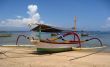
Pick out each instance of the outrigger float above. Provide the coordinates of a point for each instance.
(52, 44)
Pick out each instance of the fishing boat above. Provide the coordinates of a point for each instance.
(5, 34)
(83, 33)
(51, 45)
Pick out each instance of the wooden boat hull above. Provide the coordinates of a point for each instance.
(46, 47)
(54, 49)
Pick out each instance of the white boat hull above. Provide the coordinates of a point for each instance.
(47, 47)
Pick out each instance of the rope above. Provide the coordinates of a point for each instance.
(76, 58)
(3, 53)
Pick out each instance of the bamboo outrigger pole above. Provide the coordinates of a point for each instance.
(74, 24)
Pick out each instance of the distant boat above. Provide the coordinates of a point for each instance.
(5, 34)
(84, 33)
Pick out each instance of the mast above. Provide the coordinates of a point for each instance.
(74, 24)
(39, 31)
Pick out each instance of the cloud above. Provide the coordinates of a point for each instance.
(33, 13)
(107, 24)
(108, 18)
(19, 16)
(32, 9)
(34, 17)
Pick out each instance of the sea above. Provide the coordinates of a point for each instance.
(103, 36)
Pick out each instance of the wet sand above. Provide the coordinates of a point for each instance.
(26, 56)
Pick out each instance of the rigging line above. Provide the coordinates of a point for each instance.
(76, 58)
(11, 51)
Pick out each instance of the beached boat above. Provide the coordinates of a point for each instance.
(51, 45)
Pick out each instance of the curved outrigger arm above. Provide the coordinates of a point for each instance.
(75, 35)
(94, 39)
(19, 37)
(26, 37)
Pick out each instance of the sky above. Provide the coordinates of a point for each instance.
(92, 15)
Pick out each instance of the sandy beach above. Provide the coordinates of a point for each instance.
(26, 56)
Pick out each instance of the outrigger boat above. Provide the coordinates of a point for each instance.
(5, 34)
(51, 44)
(83, 33)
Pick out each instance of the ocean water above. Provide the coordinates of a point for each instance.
(12, 40)
(103, 36)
